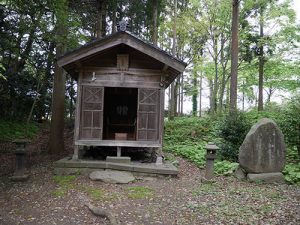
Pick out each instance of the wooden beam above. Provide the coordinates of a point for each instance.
(165, 67)
(118, 143)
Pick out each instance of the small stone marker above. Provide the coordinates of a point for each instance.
(19, 174)
(211, 155)
(113, 177)
(263, 152)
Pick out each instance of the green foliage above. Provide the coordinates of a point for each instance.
(188, 129)
(139, 192)
(95, 193)
(195, 153)
(292, 173)
(225, 167)
(287, 117)
(232, 130)
(64, 180)
(10, 130)
(290, 125)
(59, 193)
(64, 184)
(187, 136)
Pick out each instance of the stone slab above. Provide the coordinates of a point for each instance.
(266, 177)
(263, 150)
(122, 159)
(112, 177)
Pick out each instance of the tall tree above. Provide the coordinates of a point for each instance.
(58, 98)
(261, 60)
(172, 105)
(234, 54)
(154, 15)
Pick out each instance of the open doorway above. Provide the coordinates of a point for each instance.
(120, 113)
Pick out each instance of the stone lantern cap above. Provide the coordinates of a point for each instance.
(211, 147)
(21, 144)
(211, 150)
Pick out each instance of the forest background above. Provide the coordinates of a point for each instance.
(34, 33)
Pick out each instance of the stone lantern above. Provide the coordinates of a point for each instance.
(211, 155)
(19, 174)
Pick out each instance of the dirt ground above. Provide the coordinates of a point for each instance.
(48, 199)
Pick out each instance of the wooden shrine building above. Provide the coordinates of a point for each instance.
(121, 82)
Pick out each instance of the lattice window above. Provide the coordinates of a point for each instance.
(148, 114)
(92, 112)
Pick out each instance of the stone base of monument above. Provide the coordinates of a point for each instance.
(266, 177)
(19, 178)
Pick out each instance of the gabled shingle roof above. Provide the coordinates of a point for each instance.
(121, 37)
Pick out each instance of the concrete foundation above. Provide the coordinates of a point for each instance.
(69, 166)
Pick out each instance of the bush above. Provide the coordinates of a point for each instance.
(225, 167)
(10, 130)
(232, 130)
(287, 117)
(187, 129)
(292, 173)
(290, 126)
(187, 136)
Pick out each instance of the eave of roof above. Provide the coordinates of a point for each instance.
(104, 43)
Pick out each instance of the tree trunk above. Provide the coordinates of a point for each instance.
(243, 96)
(216, 79)
(211, 89)
(181, 95)
(33, 104)
(176, 94)
(194, 96)
(200, 95)
(101, 19)
(172, 100)
(58, 96)
(114, 19)
(261, 63)
(234, 55)
(72, 98)
(154, 15)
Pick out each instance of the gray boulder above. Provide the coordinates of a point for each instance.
(113, 177)
(263, 150)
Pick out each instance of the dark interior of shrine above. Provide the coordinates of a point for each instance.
(120, 113)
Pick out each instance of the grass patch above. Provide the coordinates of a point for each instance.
(95, 193)
(65, 183)
(10, 130)
(64, 180)
(98, 193)
(139, 192)
(59, 192)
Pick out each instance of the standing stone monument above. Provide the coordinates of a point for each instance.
(262, 154)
